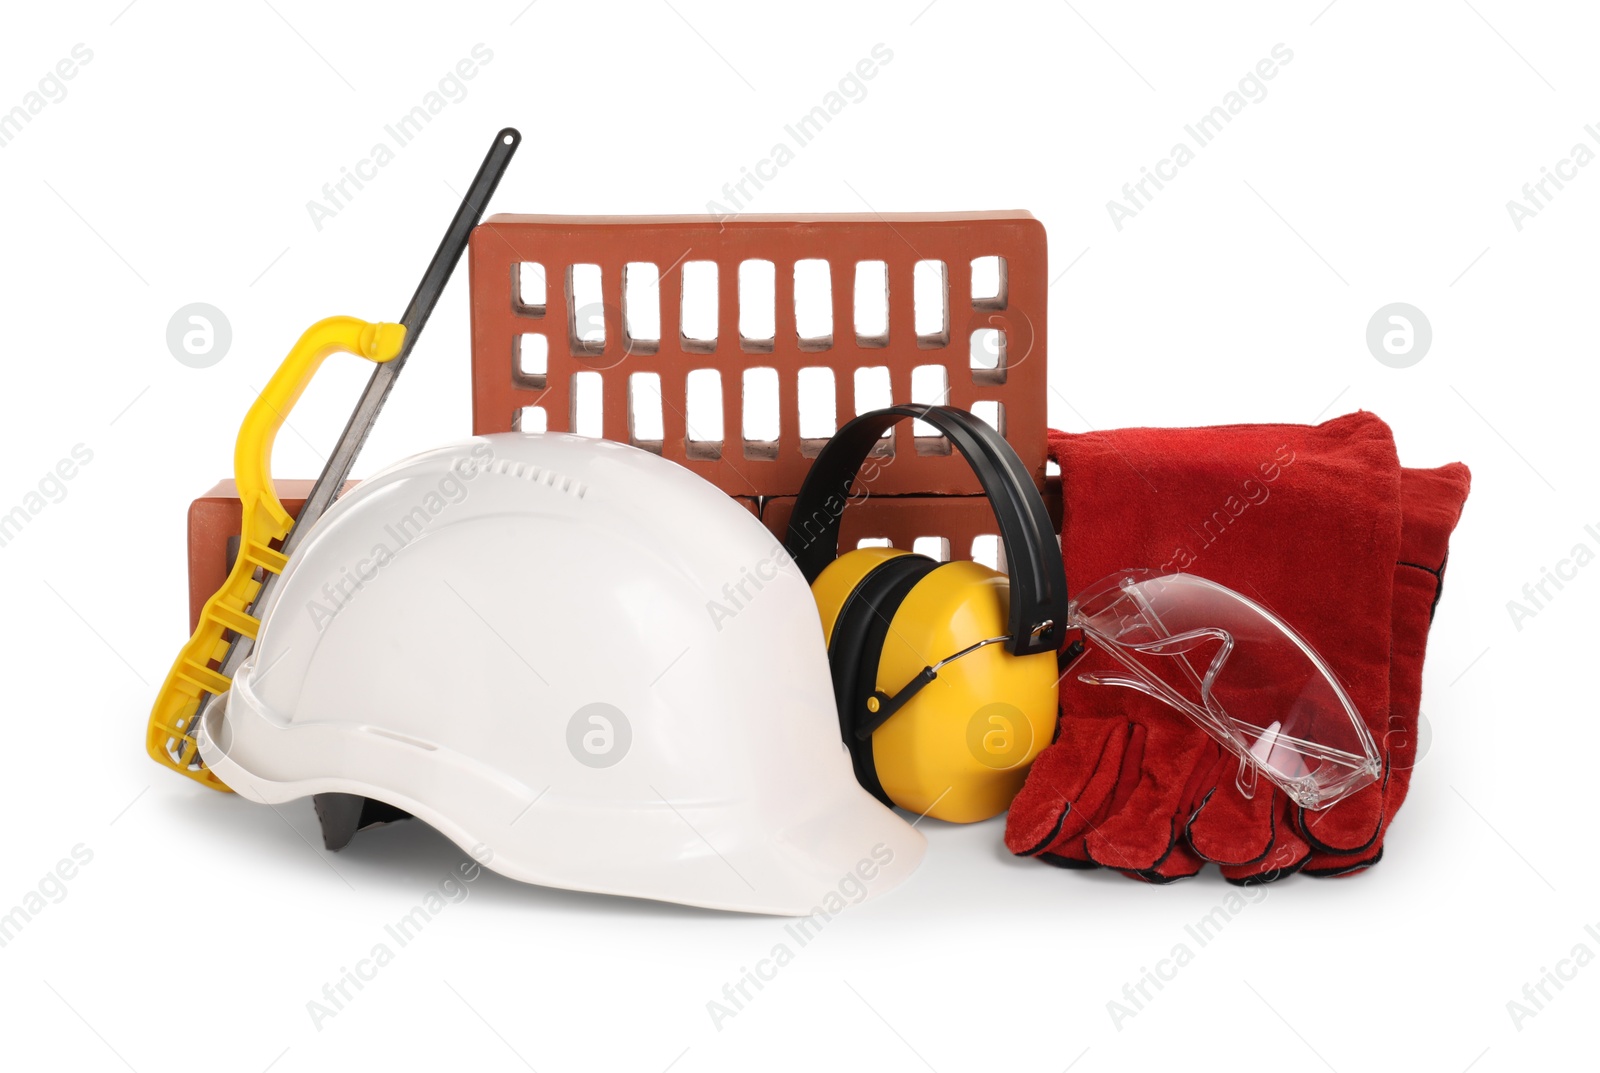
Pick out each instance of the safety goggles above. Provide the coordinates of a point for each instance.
(1240, 672)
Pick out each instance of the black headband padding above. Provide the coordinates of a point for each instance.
(1038, 578)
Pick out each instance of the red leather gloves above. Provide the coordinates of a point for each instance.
(1321, 525)
(1431, 502)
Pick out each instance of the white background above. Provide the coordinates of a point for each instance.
(1377, 169)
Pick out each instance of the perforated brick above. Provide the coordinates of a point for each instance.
(535, 356)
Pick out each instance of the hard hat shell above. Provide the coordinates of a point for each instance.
(579, 661)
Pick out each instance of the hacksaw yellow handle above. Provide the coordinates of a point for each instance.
(170, 738)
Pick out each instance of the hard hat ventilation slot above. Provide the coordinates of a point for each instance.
(403, 739)
(538, 475)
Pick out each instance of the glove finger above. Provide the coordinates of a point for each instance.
(1228, 827)
(1069, 784)
(1287, 854)
(1351, 826)
(1147, 814)
(1328, 866)
(1181, 862)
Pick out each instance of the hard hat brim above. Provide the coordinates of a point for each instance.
(827, 854)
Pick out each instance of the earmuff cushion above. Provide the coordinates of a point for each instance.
(856, 645)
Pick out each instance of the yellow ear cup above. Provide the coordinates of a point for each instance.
(840, 578)
(960, 749)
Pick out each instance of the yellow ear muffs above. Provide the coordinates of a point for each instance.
(959, 747)
(944, 673)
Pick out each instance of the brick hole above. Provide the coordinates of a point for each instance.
(528, 288)
(698, 307)
(759, 406)
(992, 412)
(872, 304)
(989, 283)
(645, 427)
(930, 298)
(819, 418)
(641, 307)
(588, 392)
(703, 414)
(532, 358)
(531, 419)
(986, 550)
(758, 301)
(986, 355)
(586, 310)
(873, 393)
(930, 386)
(813, 304)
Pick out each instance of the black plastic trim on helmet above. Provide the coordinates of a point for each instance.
(342, 815)
(1038, 613)
(855, 646)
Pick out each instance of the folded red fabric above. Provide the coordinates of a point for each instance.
(1430, 504)
(1431, 501)
(1304, 519)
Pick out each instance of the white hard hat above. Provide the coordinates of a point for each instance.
(583, 664)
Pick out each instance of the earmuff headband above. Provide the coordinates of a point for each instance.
(1038, 614)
